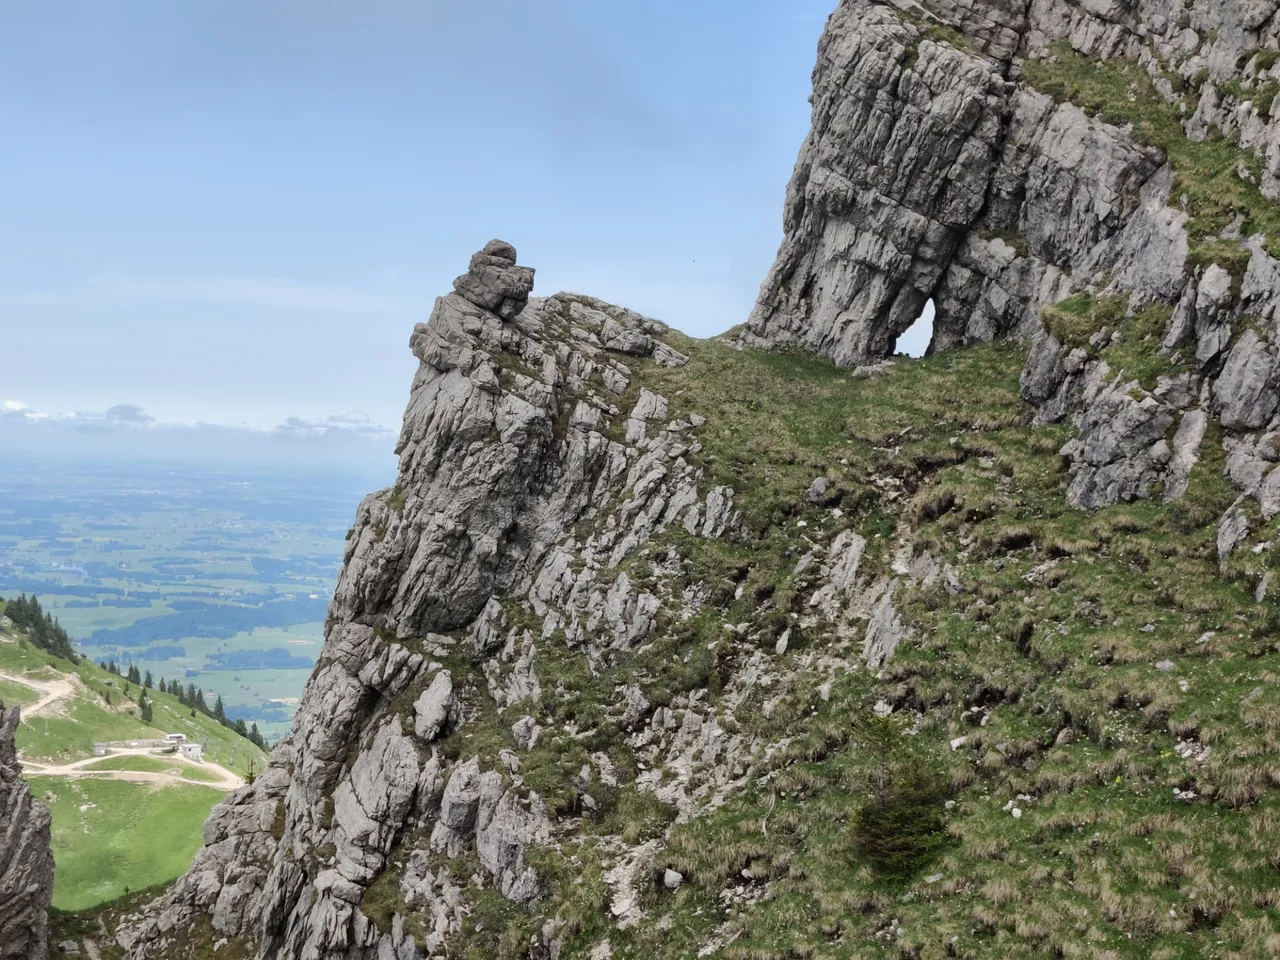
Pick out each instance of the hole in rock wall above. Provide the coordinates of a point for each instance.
(915, 341)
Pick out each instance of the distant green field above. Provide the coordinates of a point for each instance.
(226, 561)
(247, 688)
(111, 836)
(81, 621)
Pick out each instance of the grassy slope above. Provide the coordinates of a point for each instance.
(1103, 845)
(1064, 647)
(138, 835)
(1062, 617)
(141, 835)
(16, 695)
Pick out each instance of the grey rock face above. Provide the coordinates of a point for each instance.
(894, 170)
(26, 860)
(505, 825)
(1246, 392)
(505, 449)
(1186, 451)
(884, 632)
(933, 171)
(919, 152)
(1232, 532)
(1120, 452)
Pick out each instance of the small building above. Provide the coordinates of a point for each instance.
(101, 749)
(193, 751)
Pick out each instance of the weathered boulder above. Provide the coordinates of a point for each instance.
(1248, 390)
(494, 282)
(431, 711)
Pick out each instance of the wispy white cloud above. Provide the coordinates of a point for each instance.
(116, 289)
(253, 292)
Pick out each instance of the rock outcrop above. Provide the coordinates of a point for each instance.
(938, 169)
(511, 442)
(26, 860)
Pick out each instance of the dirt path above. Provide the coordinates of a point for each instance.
(84, 768)
(52, 692)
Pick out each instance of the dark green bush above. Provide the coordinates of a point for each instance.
(900, 827)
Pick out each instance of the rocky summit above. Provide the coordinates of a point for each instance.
(777, 646)
(26, 861)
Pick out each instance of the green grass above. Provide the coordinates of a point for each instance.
(128, 837)
(971, 474)
(135, 835)
(1132, 343)
(16, 695)
(1205, 173)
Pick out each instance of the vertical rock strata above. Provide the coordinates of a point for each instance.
(935, 169)
(26, 861)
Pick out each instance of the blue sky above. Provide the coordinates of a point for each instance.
(233, 213)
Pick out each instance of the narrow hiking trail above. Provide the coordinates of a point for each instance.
(51, 691)
(55, 691)
(84, 768)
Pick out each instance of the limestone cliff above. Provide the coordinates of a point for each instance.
(26, 861)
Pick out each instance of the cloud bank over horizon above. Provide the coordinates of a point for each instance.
(128, 430)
